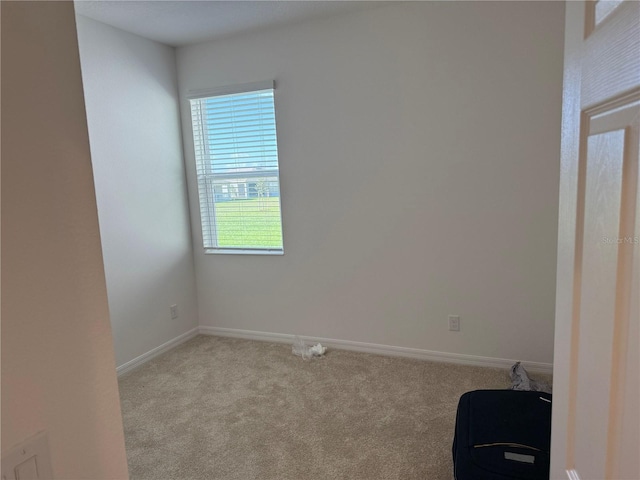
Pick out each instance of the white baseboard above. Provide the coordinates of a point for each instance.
(387, 350)
(145, 357)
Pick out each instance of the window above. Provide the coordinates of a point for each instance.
(236, 153)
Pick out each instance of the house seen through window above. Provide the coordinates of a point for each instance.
(236, 153)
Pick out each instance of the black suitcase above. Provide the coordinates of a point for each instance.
(502, 435)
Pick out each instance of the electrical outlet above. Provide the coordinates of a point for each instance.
(454, 323)
(174, 311)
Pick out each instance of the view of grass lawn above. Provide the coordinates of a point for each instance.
(253, 223)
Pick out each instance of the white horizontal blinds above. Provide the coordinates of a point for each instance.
(237, 167)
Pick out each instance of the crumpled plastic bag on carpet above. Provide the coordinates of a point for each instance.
(520, 380)
(301, 349)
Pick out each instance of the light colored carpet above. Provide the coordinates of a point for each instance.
(219, 408)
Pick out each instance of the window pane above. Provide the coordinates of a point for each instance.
(236, 152)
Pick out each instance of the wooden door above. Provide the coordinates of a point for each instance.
(596, 424)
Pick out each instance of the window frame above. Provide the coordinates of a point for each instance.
(223, 91)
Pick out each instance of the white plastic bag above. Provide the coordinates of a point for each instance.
(520, 380)
(301, 349)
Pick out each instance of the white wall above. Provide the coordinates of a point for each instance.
(419, 154)
(130, 89)
(58, 368)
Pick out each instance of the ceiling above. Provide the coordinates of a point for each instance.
(179, 23)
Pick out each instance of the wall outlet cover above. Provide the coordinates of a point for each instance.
(29, 460)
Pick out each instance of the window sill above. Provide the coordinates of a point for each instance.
(240, 251)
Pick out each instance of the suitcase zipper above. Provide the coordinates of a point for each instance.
(517, 445)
